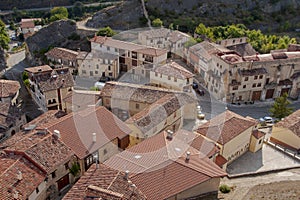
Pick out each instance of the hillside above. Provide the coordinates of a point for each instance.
(267, 15)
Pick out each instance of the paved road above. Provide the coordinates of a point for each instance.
(16, 65)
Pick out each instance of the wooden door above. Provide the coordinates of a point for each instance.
(256, 95)
(270, 93)
(284, 90)
(63, 182)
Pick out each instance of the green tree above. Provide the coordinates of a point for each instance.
(157, 22)
(190, 42)
(78, 9)
(4, 37)
(280, 107)
(107, 31)
(58, 13)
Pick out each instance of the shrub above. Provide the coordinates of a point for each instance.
(27, 83)
(224, 188)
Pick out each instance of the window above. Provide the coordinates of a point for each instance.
(217, 64)
(240, 98)
(83, 71)
(108, 48)
(137, 106)
(260, 76)
(254, 85)
(104, 151)
(96, 72)
(258, 84)
(244, 86)
(235, 87)
(255, 77)
(241, 40)
(116, 50)
(110, 74)
(53, 174)
(246, 78)
(169, 77)
(37, 190)
(97, 66)
(143, 71)
(260, 141)
(66, 166)
(175, 79)
(233, 41)
(156, 74)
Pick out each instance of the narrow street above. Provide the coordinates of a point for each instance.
(16, 65)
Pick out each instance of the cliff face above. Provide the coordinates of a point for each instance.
(57, 34)
(123, 16)
(27, 4)
(268, 15)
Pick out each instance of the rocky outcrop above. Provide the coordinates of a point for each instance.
(123, 16)
(61, 33)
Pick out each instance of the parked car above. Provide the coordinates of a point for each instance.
(266, 121)
(195, 85)
(201, 92)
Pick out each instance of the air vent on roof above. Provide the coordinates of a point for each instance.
(188, 155)
(19, 176)
(56, 133)
(94, 137)
(169, 134)
(30, 127)
(126, 175)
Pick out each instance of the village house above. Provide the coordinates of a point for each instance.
(80, 99)
(11, 120)
(171, 40)
(115, 186)
(11, 117)
(28, 27)
(49, 86)
(9, 91)
(44, 158)
(93, 134)
(148, 110)
(199, 56)
(239, 79)
(171, 76)
(63, 57)
(171, 162)
(129, 54)
(98, 64)
(233, 134)
(286, 133)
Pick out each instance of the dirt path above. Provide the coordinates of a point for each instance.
(271, 186)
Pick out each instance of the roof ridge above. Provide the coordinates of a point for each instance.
(113, 180)
(10, 166)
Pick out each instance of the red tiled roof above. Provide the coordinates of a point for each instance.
(220, 160)
(107, 41)
(38, 69)
(62, 53)
(224, 127)
(158, 166)
(258, 134)
(173, 69)
(8, 88)
(10, 166)
(104, 183)
(76, 130)
(27, 24)
(291, 122)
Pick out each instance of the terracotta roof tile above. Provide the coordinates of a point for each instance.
(62, 53)
(258, 134)
(220, 160)
(291, 122)
(173, 69)
(8, 88)
(76, 129)
(38, 69)
(10, 166)
(225, 127)
(158, 166)
(107, 41)
(104, 183)
(27, 24)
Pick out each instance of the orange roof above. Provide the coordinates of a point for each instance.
(10, 167)
(76, 129)
(62, 53)
(258, 134)
(226, 126)
(27, 24)
(8, 88)
(158, 165)
(220, 160)
(108, 41)
(173, 69)
(103, 183)
(291, 122)
(42, 68)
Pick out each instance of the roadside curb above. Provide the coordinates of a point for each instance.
(261, 172)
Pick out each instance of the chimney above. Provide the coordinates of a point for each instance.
(94, 137)
(126, 175)
(188, 154)
(169, 135)
(16, 195)
(57, 133)
(19, 176)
